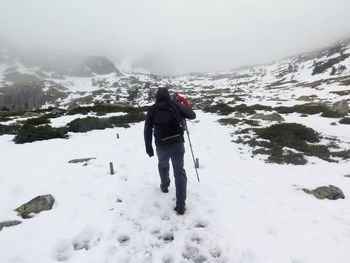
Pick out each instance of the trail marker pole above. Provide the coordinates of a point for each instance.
(111, 168)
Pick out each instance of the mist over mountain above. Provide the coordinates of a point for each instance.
(169, 37)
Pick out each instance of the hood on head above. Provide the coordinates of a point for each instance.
(162, 95)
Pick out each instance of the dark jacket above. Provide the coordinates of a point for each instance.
(160, 119)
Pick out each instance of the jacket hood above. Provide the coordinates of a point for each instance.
(162, 95)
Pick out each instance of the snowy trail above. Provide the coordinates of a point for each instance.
(242, 211)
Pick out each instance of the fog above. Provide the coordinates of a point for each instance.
(176, 36)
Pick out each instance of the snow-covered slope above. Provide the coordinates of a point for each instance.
(242, 211)
(322, 74)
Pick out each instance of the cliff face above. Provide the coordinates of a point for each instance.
(27, 96)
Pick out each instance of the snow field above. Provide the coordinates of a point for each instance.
(242, 211)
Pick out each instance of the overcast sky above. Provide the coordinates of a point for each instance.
(176, 36)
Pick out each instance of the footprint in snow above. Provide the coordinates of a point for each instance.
(166, 217)
(86, 239)
(168, 237)
(62, 250)
(201, 224)
(168, 259)
(196, 239)
(193, 253)
(215, 252)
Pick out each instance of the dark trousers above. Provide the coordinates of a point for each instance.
(176, 152)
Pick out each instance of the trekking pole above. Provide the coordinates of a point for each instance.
(189, 140)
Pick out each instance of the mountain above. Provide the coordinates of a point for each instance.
(78, 80)
(272, 142)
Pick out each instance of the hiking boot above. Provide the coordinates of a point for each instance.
(164, 189)
(180, 210)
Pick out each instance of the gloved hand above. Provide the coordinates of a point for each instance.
(150, 151)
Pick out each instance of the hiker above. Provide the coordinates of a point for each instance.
(165, 118)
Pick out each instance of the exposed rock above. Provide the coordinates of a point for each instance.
(29, 114)
(347, 175)
(78, 66)
(342, 107)
(330, 192)
(9, 223)
(268, 117)
(42, 75)
(82, 160)
(36, 205)
(305, 98)
(57, 76)
(239, 115)
(27, 96)
(17, 77)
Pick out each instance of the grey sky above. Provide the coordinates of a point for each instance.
(175, 36)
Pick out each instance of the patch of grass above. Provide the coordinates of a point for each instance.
(342, 154)
(331, 114)
(229, 121)
(278, 156)
(345, 121)
(295, 136)
(30, 133)
(244, 131)
(123, 121)
(12, 113)
(95, 123)
(289, 134)
(4, 119)
(89, 124)
(308, 108)
(224, 109)
(9, 129)
(38, 121)
(221, 108)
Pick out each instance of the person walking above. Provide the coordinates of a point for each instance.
(164, 119)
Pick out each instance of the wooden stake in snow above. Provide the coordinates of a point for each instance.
(111, 168)
(197, 163)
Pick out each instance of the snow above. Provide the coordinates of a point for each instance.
(242, 211)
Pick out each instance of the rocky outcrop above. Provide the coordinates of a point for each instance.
(268, 117)
(305, 98)
(28, 96)
(78, 66)
(330, 192)
(9, 224)
(35, 206)
(17, 77)
(342, 107)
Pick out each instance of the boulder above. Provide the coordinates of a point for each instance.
(30, 114)
(330, 192)
(342, 107)
(268, 117)
(35, 206)
(9, 223)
